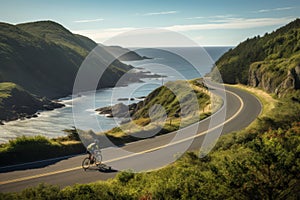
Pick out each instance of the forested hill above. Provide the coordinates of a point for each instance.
(271, 62)
(44, 57)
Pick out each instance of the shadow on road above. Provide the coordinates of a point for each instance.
(103, 168)
(107, 169)
(33, 165)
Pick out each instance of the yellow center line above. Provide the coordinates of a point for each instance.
(134, 154)
(38, 175)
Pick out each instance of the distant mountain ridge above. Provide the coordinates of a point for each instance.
(271, 62)
(44, 57)
(126, 54)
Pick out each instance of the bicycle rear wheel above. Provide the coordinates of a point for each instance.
(86, 163)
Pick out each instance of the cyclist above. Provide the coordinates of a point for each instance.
(93, 149)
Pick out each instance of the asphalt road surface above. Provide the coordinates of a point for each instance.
(238, 111)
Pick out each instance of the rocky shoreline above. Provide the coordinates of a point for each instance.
(13, 110)
(17, 103)
(30, 112)
(119, 110)
(30, 106)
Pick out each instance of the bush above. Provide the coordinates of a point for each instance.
(24, 149)
(30, 143)
(125, 176)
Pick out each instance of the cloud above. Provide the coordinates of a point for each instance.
(199, 17)
(101, 35)
(225, 20)
(232, 23)
(210, 17)
(161, 13)
(284, 8)
(262, 11)
(89, 20)
(273, 9)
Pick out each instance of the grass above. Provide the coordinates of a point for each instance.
(5, 93)
(5, 89)
(277, 113)
(169, 97)
(33, 148)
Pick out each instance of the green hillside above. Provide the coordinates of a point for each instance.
(12, 108)
(43, 57)
(271, 62)
(169, 97)
(183, 103)
(56, 33)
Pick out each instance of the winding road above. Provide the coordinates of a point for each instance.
(240, 109)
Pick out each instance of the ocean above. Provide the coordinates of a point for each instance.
(172, 63)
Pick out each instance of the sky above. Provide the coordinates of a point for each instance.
(208, 23)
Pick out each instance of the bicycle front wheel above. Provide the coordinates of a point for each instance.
(86, 163)
(98, 157)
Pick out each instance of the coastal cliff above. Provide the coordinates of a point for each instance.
(17, 103)
(271, 62)
(280, 82)
(44, 57)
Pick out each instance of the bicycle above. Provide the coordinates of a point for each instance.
(96, 160)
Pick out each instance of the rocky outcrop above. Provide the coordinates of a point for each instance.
(277, 82)
(291, 81)
(118, 110)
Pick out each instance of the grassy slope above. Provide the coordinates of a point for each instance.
(12, 108)
(23, 149)
(168, 97)
(5, 90)
(56, 33)
(44, 57)
(33, 62)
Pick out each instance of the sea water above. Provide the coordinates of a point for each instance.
(170, 65)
